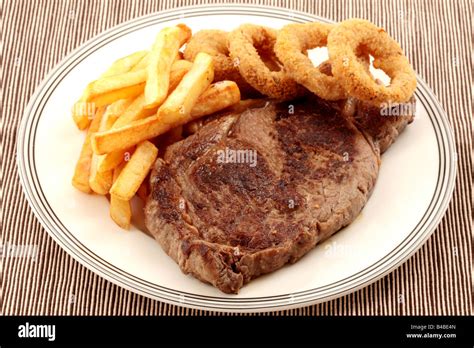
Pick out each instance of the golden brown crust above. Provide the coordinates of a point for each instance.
(345, 40)
(243, 45)
(293, 41)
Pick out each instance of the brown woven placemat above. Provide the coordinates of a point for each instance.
(36, 35)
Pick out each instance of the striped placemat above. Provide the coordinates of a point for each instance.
(36, 35)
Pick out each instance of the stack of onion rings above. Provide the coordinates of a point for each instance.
(244, 45)
(346, 39)
(263, 61)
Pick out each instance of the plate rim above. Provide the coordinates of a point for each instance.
(176, 297)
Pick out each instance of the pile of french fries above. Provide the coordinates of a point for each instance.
(140, 97)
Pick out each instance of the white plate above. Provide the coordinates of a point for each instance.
(412, 193)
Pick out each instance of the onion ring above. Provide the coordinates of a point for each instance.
(243, 45)
(293, 40)
(215, 43)
(326, 68)
(351, 36)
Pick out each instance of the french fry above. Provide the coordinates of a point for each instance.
(137, 111)
(115, 110)
(84, 109)
(124, 64)
(82, 112)
(80, 179)
(120, 210)
(163, 53)
(184, 97)
(112, 83)
(179, 68)
(129, 92)
(176, 111)
(112, 159)
(142, 64)
(100, 182)
(210, 102)
(218, 96)
(111, 87)
(135, 171)
(127, 136)
(141, 96)
(181, 64)
(215, 99)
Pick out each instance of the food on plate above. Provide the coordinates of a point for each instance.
(120, 209)
(150, 127)
(115, 110)
(112, 96)
(123, 84)
(181, 101)
(245, 42)
(163, 54)
(178, 69)
(193, 126)
(142, 192)
(293, 40)
(218, 96)
(325, 67)
(118, 101)
(134, 171)
(137, 111)
(83, 109)
(115, 82)
(215, 43)
(80, 179)
(126, 63)
(243, 187)
(344, 42)
(100, 182)
(174, 112)
(111, 88)
(228, 221)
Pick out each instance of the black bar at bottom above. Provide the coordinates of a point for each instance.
(241, 330)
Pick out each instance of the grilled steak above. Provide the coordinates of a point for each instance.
(253, 191)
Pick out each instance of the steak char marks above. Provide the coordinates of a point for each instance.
(227, 222)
